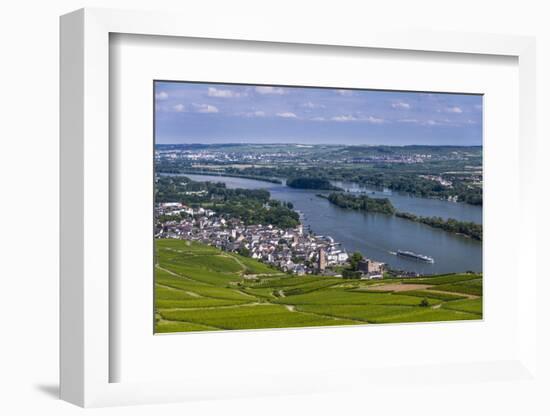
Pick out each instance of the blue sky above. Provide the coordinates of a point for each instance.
(225, 113)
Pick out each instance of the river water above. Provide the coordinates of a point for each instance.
(377, 236)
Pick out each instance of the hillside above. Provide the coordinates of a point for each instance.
(200, 288)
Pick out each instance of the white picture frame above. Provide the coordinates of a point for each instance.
(86, 356)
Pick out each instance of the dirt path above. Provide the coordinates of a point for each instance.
(254, 276)
(187, 322)
(238, 261)
(467, 296)
(181, 276)
(407, 287)
(336, 318)
(174, 273)
(396, 287)
(175, 289)
(245, 294)
(198, 281)
(212, 307)
(195, 295)
(245, 267)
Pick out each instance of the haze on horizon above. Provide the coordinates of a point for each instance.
(204, 113)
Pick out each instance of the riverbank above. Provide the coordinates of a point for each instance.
(379, 236)
(384, 206)
(465, 229)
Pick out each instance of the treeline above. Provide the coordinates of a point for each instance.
(384, 206)
(309, 182)
(361, 202)
(252, 211)
(470, 229)
(413, 184)
(225, 194)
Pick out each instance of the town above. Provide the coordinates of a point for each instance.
(294, 251)
(441, 172)
(205, 156)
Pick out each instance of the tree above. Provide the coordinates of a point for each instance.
(350, 274)
(243, 251)
(354, 261)
(424, 303)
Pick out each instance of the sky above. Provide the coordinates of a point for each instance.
(229, 113)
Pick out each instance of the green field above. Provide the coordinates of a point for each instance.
(200, 288)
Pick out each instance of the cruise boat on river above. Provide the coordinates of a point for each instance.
(415, 256)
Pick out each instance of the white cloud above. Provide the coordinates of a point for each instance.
(345, 93)
(420, 122)
(287, 114)
(215, 92)
(401, 105)
(374, 120)
(270, 90)
(344, 118)
(368, 119)
(162, 95)
(179, 108)
(205, 108)
(455, 109)
(431, 122)
(318, 119)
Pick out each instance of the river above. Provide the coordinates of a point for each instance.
(377, 236)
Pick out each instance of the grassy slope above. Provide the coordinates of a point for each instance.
(199, 288)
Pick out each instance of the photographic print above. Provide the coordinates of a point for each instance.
(284, 206)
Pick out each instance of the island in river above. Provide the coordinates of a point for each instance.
(304, 182)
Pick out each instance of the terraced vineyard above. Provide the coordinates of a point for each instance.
(200, 288)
